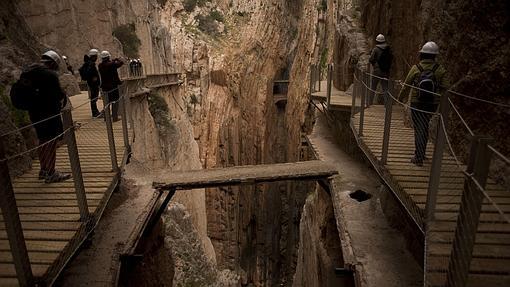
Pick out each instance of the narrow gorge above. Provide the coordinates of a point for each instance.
(241, 95)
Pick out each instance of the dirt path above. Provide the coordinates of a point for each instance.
(379, 249)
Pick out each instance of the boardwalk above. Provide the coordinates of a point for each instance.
(340, 100)
(49, 212)
(491, 257)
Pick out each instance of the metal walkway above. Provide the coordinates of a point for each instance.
(49, 213)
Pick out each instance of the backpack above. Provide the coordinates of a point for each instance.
(427, 84)
(385, 59)
(84, 71)
(23, 93)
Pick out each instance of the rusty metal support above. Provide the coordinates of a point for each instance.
(13, 226)
(125, 132)
(74, 160)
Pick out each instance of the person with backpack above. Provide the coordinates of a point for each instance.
(110, 81)
(39, 92)
(90, 74)
(429, 78)
(380, 59)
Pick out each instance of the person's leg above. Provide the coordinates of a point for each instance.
(371, 93)
(420, 134)
(94, 94)
(114, 99)
(384, 85)
(47, 156)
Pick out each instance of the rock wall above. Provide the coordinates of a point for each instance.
(72, 27)
(473, 38)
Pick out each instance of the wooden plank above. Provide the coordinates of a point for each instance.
(43, 235)
(55, 196)
(245, 174)
(38, 245)
(481, 238)
(51, 204)
(482, 227)
(49, 225)
(7, 270)
(9, 282)
(480, 250)
(474, 280)
(46, 258)
(478, 265)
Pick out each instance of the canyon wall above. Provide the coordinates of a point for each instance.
(73, 27)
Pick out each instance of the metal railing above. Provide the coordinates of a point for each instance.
(14, 214)
(456, 190)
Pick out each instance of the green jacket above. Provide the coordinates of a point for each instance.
(415, 72)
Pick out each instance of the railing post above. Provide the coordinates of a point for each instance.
(311, 79)
(328, 88)
(469, 213)
(437, 159)
(363, 99)
(319, 69)
(387, 129)
(354, 92)
(74, 160)
(123, 108)
(13, 226)
(109, 131)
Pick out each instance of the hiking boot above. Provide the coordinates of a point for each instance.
(56, 176)
(416, 161)
(43, 174)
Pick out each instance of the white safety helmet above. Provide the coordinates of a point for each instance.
(52, 55)
(64, 58)
(380, 38)
(430, 48)
(105, 55)
(93, 52)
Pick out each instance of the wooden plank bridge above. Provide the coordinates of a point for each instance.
(49, 213)
(490, 265)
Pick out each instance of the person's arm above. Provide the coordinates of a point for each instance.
(117, 63)
(404, 92)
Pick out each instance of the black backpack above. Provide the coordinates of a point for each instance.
(427, 84)
(84, 71)
(23, 92)
(385, 59)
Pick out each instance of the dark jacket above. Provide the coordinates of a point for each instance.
(109, 75)
(93, 79)
(49, 102)
(374, 60)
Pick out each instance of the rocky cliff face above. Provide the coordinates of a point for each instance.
(74, 27)
(473, 38)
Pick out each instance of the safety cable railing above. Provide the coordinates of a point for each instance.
(462, 209)
(14, 212)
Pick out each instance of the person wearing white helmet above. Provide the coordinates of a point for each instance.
(45, 103)
(380, 59)
(430, 82)
(110, 80)
(90, 74)
(68, 66)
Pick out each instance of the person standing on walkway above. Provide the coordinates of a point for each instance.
(68, 66)
(110, 81)
(380, 59)
(430, 81)
(44, 113)
(91, 76)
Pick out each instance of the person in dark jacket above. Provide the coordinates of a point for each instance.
(110, 81)
(45, 113)
(421, 111)
(68, 66)
(380, 59)
(93, 81)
